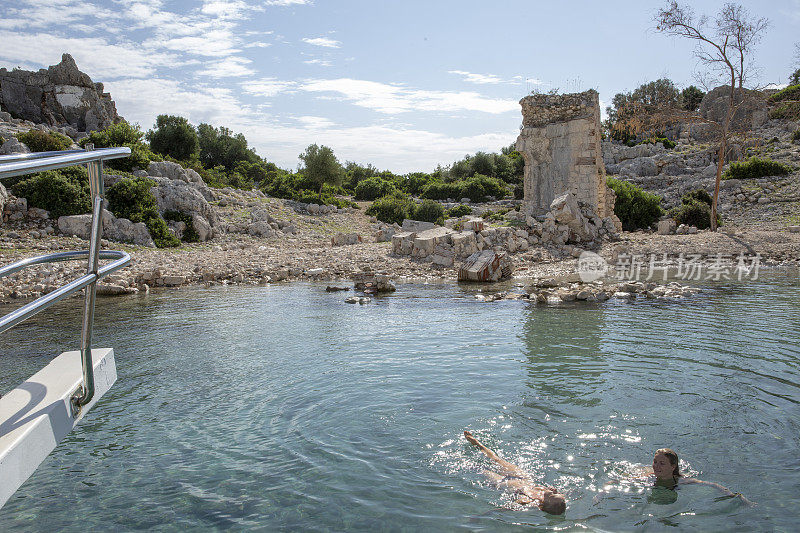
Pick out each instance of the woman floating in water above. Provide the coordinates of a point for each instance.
(514, 479)
(667, 474)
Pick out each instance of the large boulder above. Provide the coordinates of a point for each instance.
(3, 200)
(751, 109)
(115, 229)
(13, 146)
(174, 171)
(59, 95)
(178, 195)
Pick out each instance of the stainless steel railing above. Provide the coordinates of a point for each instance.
(21, 164)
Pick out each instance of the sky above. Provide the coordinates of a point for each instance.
(400, 84)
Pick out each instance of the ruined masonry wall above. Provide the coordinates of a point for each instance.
(560, 142)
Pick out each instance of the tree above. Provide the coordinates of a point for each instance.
(691, 97)
(175, 137)
(220, 147)
(724, 50)
(627, 115)
(321, 166)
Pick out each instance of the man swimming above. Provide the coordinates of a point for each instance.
(515, 480)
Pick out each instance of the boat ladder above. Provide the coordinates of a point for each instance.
(40, 412)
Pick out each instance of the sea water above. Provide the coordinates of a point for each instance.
(282, 408)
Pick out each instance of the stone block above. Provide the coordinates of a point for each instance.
(486, 265)
(667, 226)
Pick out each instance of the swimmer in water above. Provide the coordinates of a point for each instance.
(515, 480)
(667, 474)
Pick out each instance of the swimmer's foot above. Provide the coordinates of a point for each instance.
(471, 439)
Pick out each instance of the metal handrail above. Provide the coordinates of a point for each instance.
(21, 164)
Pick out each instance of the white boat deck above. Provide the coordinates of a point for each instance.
(36, 415)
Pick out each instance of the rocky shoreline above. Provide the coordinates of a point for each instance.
(243, 259)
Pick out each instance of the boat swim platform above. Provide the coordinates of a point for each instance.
(36, 415)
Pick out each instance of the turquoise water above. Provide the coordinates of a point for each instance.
(282, 408)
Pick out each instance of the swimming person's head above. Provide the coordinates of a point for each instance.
(553, 502)
(665, 464)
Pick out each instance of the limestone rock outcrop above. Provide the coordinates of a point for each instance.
(117, 229)
(60, 95)
(178, 195)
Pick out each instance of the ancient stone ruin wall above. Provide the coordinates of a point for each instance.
(560, 142)
(60, 95)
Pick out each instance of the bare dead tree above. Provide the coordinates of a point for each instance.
(724, 50)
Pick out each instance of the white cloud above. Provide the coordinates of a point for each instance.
(322, 41)
(227, 68)
(257, 44)
(214, 43)
(320, 62)
(29, 14)
(141, 100)
(287, 2)
(315, 123)
(393, 99)
(482, 79)
(226, 9)
(266, 87)
(95, 56)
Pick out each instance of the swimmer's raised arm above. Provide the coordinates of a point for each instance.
(721, 488)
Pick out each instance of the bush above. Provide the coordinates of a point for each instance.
(697, 195)
(458, 211)
(373, 188)
(796, 136)
(61, 192)
(131, 198)
(393, 208)
(118, 135)
(189, 234)
(428, 211)
(755, 168)
(787, 111)
(175, 137)
(437, 190)
(478, 187)
(43, 141)
(694, 213)
(791, 92)
(635, 208)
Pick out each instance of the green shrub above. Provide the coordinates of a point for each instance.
(428, 211)
(131, 198)
(307, 196)
(458, 211)
(755, 168)
(189, 234)
(118, 135)
(694, 213)
(697, 195)
(666, 143)
(373, 188)
(787, 111)
(796, 136)
(791, 92)
(478, 187)
(635, 208)
(44, 141)
(415, 182)
(393, 208)
(438, 190)
(61, 192)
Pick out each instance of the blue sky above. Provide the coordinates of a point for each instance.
(404, 85)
